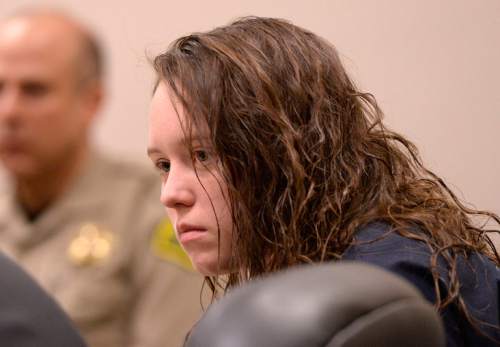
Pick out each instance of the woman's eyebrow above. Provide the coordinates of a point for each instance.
(200, 138)
(153, 150)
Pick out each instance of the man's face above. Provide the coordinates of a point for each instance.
(42, 113)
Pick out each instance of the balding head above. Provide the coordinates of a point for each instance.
(61, 35)
(50, 90)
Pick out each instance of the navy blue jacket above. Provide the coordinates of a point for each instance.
(28, 316)
(479, 278)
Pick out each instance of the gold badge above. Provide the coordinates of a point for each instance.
(92, 245)
(165, 245)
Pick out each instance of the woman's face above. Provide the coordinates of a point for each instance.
(193, 191)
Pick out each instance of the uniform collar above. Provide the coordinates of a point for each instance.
(82, 194)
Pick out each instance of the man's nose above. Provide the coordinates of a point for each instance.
(10, 105)
(177, 189)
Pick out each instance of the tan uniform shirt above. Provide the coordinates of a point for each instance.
(92, 251)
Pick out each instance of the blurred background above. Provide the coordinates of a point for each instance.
(434, 67)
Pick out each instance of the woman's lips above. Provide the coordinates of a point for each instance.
(189, 233)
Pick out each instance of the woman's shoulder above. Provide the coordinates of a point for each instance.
(378, 244)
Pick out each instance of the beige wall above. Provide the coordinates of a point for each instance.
(433, 66)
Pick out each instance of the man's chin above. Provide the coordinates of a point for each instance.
(20, 167)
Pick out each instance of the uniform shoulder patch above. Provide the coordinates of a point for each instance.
(165, 245)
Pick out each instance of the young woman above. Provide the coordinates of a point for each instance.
(271, 157)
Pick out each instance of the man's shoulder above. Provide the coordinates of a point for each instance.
(117, 177)
(131, 188)
(127, 190)
(129, 168)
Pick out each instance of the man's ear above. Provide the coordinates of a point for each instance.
(92, 99)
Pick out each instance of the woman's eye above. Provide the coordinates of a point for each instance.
(201, 155)
(163, 165)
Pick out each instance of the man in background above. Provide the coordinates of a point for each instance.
(85, 226)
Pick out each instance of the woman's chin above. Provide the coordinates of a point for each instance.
(209, 267)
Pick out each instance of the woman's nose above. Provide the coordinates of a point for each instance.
(178, 189)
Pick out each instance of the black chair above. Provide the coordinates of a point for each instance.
(348, 304)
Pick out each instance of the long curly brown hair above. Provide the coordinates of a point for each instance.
(306, 158)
